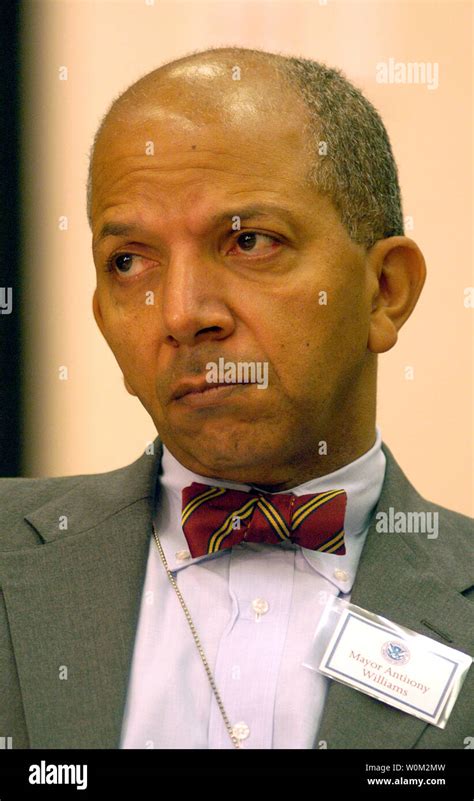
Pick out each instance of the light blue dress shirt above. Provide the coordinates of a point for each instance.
(255, 608)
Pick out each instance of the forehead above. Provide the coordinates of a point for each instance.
(172, 143)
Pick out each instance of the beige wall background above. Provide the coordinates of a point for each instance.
(88, 423)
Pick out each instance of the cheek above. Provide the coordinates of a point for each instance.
(317, 337)
(131, 341)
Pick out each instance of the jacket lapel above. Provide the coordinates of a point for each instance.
(73, 603)
(404, 578)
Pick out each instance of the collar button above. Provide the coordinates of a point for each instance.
(341, 575)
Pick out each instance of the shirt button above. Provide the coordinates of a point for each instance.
(181, 555)
(260, 606)
(342, 575)
(241, 730)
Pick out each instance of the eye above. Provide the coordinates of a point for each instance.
(254, 242)
(123, 263)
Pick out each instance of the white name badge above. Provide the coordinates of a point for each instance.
(398, 666)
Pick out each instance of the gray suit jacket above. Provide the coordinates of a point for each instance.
(70, 598)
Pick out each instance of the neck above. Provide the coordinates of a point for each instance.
(322, 467)
(274, 477)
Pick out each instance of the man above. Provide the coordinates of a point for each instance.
(251, 265)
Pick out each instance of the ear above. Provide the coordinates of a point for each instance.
(397, 268)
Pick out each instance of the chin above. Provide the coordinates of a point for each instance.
(237, 456)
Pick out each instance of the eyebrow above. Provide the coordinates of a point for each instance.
(262, 210)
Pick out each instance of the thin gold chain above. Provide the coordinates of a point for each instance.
(232, 736)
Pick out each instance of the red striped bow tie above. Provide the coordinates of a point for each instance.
(215, 518)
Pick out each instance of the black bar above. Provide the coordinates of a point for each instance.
(442, 773)
(10, 278)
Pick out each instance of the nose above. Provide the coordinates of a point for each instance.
(194, 307)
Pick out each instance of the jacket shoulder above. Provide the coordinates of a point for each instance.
(19, 495)
(439, 537)
(92, 494)
(449, 538)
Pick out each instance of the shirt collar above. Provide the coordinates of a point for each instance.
(362, 480)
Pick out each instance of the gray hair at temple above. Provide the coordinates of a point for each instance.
(358, 172)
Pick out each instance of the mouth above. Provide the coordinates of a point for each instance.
(204, 393)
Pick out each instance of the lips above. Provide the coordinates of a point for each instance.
(200, 392)
(194, 387)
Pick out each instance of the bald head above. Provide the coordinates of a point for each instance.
(210, 82)
(235, 87)
(207, 78)
(348, 150)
